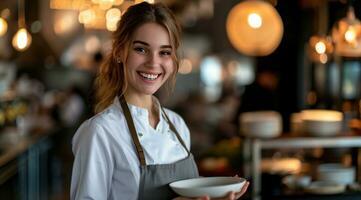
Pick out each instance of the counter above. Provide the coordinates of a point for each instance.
(24, 165)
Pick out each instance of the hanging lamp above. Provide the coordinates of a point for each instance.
(347, 35)
(22, 38)
(254, 28)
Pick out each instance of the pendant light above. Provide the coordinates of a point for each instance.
(3, 26)
(254, 27)
(347, 35)
(22, 38)
(321, 48)
(320, 45)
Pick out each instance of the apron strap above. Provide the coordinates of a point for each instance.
(132, 130)
(175, 131)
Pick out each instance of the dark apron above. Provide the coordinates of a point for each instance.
(154, 179)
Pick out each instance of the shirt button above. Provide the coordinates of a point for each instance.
(140, 134)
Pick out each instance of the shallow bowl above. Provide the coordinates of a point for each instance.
(213, 187)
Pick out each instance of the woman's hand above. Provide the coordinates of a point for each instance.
(229, 196)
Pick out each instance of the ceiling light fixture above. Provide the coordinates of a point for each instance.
(22, 39)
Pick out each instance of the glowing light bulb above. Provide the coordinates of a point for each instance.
(254, 20)
(320, 47)
(21, 40)
(350, 35)
(3, 26)
(112, 17)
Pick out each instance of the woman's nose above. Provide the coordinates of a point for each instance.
(153, 58)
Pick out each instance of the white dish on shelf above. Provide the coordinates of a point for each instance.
(337, 173)
(325, 187)
(261, 124)
(214, 187)
(322, 123)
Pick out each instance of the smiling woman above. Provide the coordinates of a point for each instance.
(133, 148)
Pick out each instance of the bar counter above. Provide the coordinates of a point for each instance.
(24, 164)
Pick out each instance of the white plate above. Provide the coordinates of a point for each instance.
(323, 187)
(212, 186)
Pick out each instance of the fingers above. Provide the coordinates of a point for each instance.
(229, 196)
(243, 190)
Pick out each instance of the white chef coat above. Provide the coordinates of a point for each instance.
(106, 165)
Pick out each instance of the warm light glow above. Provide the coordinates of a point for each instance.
(254, 28)
(69, 4)
(86, 16)
(185, 66)
(21, 40)
(322, 115)
(118, 2)
(111, 26)
(150, 1)
(350, 34)
(92, 44)
(64, 22)
(323, 58)
(113, 14)
(346, 34)
(112, 17)
(254, 20)
(140, 1)
(3, 26)
(105, 4)
(5, 13)
(320, 47)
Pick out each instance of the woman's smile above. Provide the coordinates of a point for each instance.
(149, 76)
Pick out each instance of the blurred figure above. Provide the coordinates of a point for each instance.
(71, 107)
(261, 94)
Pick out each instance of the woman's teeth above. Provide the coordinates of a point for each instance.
(149, 76)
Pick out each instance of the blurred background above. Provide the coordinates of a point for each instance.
(252, 72)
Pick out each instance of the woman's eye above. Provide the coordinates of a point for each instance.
(166, 53)
(139, 49)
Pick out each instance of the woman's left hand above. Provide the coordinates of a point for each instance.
(235, 195)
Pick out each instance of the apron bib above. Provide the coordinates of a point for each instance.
(154, 179)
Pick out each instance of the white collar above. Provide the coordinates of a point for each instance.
(139, 111)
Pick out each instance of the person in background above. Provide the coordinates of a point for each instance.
(133, 147)
(261, 95)
(71, 107)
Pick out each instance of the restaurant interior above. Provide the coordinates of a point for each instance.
(270, 90)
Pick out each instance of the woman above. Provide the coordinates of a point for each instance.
(133, 148)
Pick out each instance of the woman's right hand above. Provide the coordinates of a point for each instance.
(229, 196)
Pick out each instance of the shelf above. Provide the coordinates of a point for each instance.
(307, 196)
(257, 145)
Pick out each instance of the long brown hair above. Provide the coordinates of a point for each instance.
(111, 79)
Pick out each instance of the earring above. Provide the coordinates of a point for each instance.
(118, 60)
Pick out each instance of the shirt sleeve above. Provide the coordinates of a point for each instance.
(93, 164)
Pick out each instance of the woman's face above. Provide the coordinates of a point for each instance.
(149, 63)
